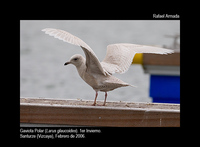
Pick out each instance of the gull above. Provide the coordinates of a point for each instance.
(99, 75)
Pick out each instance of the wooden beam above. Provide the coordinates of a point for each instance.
(114, 114)
(156, 59)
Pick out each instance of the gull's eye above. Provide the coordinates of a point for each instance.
(75, 59)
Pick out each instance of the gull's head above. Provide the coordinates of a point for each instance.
(76, 60)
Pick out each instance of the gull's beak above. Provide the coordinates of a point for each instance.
(67, 63)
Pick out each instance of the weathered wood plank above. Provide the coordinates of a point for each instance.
(115, 114)
(156, 59)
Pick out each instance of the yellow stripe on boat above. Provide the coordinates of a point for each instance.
(138, 58)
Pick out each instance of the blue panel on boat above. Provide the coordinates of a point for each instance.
(165, 89)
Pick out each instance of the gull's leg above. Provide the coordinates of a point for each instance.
(95, 99)
(105, 99)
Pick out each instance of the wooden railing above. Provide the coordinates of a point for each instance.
(114, 114)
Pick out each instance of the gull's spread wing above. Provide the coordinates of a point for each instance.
(92, 62)
(119, 56)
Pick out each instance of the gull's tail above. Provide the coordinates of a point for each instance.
(132, 86)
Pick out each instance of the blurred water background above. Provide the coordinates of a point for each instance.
(42, 57)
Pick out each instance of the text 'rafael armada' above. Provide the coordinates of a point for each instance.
(165, 16)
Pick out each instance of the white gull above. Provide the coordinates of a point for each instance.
(99, 74)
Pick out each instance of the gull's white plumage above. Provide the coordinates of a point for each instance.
(92, 61)
(99, 74)
(119, 56)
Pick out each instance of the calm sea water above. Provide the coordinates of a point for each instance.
(42, 58)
